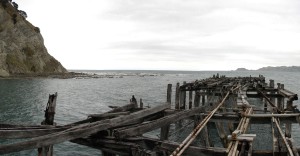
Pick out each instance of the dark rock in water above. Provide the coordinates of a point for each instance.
(22, 49)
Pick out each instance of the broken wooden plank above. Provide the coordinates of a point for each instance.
(27, 133)
(108, 115)
(78, 131)
(152, 125)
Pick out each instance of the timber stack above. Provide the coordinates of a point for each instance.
(215, 116)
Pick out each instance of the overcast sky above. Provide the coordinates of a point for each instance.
(168, 34)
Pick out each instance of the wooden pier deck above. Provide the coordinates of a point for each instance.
(225, 105)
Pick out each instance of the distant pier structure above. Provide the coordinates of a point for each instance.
(235, 116)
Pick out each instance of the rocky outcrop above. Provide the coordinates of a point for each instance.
(22, 50)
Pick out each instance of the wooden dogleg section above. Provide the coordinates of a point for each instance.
(49, 120)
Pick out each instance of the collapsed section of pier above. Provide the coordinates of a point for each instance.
(214, 116)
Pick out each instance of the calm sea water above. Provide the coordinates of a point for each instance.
(22, 101)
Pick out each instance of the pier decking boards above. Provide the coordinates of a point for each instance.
(215, 119)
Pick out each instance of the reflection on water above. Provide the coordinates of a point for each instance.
(22, 101)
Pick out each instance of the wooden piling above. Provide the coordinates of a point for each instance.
(288, 126)
(164, 131)
(289, 107)
(177, 96)
(141, 103)
(169, 94)
(133, 101)
(221, 132)
(49, 120)
(280, 100)
(197, 99)
(183, 97)
(190, 99)
(203, 100)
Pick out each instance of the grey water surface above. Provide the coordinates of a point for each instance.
(22, 101)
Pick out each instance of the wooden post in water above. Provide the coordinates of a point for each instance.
(177, 96)
(282, 87)
(133, 101)
(169, 94)
(272, 85)
(288, 125)
(197, 99)
(141, 103)
(203, 99)
(164, 131)
(221, 132)
(182, 97)
(191, 99)
(49, 120)
(280, 100)
(289, 107)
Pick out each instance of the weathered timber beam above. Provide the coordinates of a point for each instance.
(189, 139)
(121, 149)
(78, 131)
(269, 101)
(258, 95)
(160, 146)
(20, 127)
(271, 115)
(290, 151)
(157, 145)
(127, 107)
(54, 138)
(27, 133)
(254, 120)
(192, 150)
(250, 95)
(288, 94)
(139, 114)
(265, 89)
(123, 108)
(108, 115)
(140, 129)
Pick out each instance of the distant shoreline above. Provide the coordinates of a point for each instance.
(81, 74)
(277, 68)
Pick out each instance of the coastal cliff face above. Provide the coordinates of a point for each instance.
(22, 49)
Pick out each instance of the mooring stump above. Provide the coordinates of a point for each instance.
(49, 120)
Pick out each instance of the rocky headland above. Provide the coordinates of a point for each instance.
(22, 49)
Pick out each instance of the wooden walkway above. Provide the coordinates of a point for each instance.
(227, 105)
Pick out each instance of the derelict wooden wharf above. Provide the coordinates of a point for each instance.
(230, 105)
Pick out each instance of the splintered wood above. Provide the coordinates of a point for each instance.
(220, 105)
